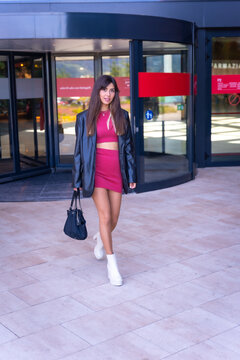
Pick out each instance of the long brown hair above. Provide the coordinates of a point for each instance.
(95, 106)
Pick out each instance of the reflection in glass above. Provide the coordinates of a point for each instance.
(27, 67)
(6, 160)
(225, 120)
(32, 146)
(165, 117)
(118, 67)
(75, 79)
(30, 112)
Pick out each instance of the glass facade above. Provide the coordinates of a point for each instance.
(118, 67)
(45, 90)
(165, 117)
(30, 111)
(164, 132)
(23, 123)
(74, 83)
(6, 152)
(75, 79)
(225, 109)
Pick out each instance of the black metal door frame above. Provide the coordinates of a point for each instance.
(136, 66)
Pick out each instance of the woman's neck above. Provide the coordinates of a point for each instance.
(104, 107)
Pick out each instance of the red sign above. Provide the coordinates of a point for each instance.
(234, 99)
(123, 85)
(82, 87)
(163, 84)
(76, 87)
(225, 84)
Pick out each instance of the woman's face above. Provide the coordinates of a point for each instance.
(107, 94)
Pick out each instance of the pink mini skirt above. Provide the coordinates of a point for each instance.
(108, 173)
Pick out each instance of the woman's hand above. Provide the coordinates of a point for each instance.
(132, 185)
(76, 189)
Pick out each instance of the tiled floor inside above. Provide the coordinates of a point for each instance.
(45, 187)
(179, 253)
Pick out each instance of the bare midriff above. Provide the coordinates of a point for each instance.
(108, 145)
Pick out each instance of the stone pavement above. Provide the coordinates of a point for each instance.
(179, 253)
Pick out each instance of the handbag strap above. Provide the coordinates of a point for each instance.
(75, 197)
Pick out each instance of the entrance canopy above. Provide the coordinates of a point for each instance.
(48, 29)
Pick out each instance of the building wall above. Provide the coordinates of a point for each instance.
(45, 21)
(204, 13)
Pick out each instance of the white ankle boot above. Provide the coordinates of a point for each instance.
(113, 272)
(98, 249)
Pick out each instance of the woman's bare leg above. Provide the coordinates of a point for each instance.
(101, 199)
(115, 199)
(108, 205)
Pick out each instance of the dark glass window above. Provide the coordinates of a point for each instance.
(6, 157)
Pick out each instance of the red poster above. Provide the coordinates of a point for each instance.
(82, 87)
(225, 84)
(123, 85)
(74, 87)
(163, 84)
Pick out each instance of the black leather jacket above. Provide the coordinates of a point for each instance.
(85, 154)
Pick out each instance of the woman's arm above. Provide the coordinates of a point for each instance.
(77, 161)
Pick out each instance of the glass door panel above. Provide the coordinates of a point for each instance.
(6, 159)
(118, 67)
(30, 111)
(164, 87)
(225, 113)
(75, 79)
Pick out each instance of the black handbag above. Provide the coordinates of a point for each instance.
(75, 225)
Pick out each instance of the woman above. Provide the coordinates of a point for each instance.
(104, 163)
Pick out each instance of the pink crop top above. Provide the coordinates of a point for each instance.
(103, 133)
